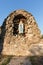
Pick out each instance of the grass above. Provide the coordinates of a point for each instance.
(6, 60)
(36, 60)
(32, 59)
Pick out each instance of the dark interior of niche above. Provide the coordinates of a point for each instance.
(16, 21)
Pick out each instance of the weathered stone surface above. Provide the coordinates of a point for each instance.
(36, 49)
(18, 44)
(20, 61)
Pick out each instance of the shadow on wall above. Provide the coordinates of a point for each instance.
(3, 31)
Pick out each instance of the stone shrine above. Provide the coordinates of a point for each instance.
(18, 31)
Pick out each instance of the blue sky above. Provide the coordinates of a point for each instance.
(33, 6)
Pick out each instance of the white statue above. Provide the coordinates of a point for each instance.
(21, 27)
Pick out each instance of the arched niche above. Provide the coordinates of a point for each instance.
(19, 24)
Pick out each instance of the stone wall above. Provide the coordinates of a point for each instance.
(19, 44)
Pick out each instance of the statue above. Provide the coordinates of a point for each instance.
(21, 27)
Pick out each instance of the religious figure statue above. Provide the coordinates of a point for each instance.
(21, 27)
